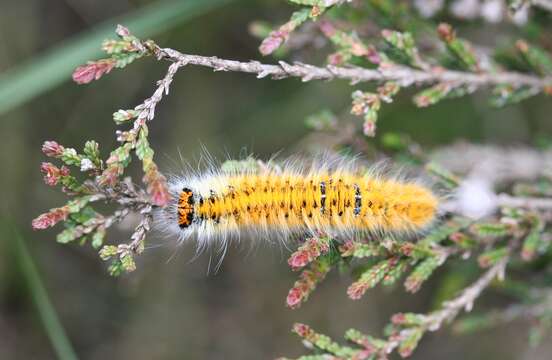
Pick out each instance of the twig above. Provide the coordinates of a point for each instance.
(535, 203)
(433, 321)
(467, 297)
(522, 311)
(147, 108)
(404, 75)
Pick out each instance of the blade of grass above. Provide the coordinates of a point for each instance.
(54, 329)
(46, 71)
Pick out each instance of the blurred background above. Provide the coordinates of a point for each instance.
(171, 308)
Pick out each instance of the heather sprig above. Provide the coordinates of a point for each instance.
(122, 52)
(399, 54)
(103, 180)
(311, 9)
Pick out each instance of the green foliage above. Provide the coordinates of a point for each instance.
(537, 59)
(421, 273)
(402, 49)
(459, 49)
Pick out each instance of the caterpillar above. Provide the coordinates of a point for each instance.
(339, 199)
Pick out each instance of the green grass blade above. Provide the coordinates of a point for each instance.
(43, 73)
(45, 309)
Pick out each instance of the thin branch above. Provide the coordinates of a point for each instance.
(514, 312)
(433, 321)
(404, 75)
(466, 299)
(534, 203)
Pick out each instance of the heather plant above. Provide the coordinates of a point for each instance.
(496, 214)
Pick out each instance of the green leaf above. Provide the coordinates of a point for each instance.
(460, 49)
(534, 243)
(78, 204)
(440, 92)
(127, 262)
(124, 59)
(375, 274)
(357, 337)
(395, 273)
(70, 157)
(507, 95)
(402, 48)
(410, 342)
(323, 343)
(360, 250)
(442, 232)
(116, 268)
(92, 150)
(143, 149)
(98, 237)
(491, 229)
(421, 273)
(491, 257)
(122, 116)
(107, 252)
(538, 59)
(68, 235)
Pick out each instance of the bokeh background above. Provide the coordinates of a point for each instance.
(171, 308)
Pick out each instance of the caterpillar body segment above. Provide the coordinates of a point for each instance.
(338, 202)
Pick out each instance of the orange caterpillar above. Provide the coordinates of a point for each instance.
(339, 200)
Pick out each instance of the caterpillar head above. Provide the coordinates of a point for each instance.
(179, 216)
(185, 208)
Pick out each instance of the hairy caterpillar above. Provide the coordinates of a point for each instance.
(336, 198)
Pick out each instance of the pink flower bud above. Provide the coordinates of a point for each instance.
(92, 71)
(272, 42)
(327, 28)
(369, 128)
(122, 31)
(41, 222)
(298, 260)
(446, 32)
(302, 329)
(50, 219)
(373, 56)
(84, 74)
(347, 248)
(356, 290)
(52, 149)
(159, 193)
(406, 351)
(407, 249)
(157, 186)
(64, 171)
(335, 59)
(110, 176)
(51, 173)
(398, 319)
(294, 298)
